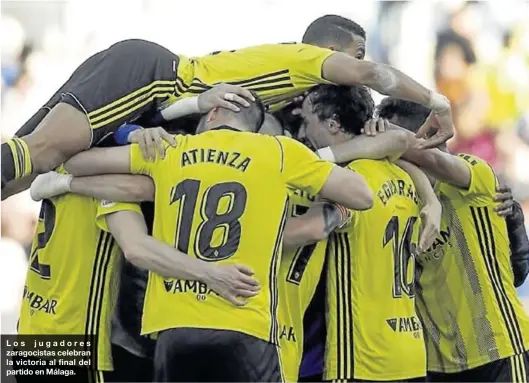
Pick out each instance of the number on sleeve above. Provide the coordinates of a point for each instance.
(403, 254)
(302, 256)
(187, 192)
(47, 215)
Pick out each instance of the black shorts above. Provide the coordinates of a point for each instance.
(116, 86)
(61, 374)
(129, 367)
(205, 355)
(512, 369)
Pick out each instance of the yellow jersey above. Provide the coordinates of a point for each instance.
(71, 285)
(465, 289)
(299, 273)
(373, 332)
(210, 192)
(277, 72)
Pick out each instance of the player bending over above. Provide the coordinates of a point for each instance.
(135, 80)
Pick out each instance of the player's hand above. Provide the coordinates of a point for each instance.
(374, 126)
(49, 185)
(505, 199)
(233, 282)
(430, 225)
(443, 125)
(151, 141)
(296, 103)
(225, 96)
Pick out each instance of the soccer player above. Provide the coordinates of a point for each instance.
(132, 80)
(476, 329)
(209, 193)
(373, 332)
(75, 295)
(306, 236)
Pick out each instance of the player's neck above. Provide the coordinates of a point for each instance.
(232, 124)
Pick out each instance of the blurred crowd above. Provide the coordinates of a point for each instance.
(475, 53)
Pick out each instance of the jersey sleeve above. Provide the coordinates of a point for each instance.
(105, 208)
(301, 168)
(483, 180)
(138, 165)
(306, 64)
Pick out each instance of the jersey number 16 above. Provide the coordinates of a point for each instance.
(403, 254)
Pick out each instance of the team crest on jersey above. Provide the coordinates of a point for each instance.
(105, 203)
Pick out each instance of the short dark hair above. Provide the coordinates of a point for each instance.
(332, 29)
(407, 114)
(252, 116)
(351, 106)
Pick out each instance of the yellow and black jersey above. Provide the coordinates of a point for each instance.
(277, 72)
(466, 296)
(210, 191)
(373, 332)
(72, 283)
(299, 273)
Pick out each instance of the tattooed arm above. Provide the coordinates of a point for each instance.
(315, 225)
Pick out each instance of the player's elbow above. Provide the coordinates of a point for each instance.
(364, 198)
(134, 250)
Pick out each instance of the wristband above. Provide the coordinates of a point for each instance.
(438, 103)
(121, 136)
(326, 154)
(181, 108)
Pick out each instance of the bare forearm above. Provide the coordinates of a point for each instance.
(421, 181)
(115, 187)
(392, 82)
(100, 161)
(391, 144)
(312, 227)
(142, 250)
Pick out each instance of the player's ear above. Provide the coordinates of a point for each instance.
(212, 114)
(333, 125)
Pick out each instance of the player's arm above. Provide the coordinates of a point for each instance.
(119, 160)
(342, 69)
(390, 144)
(431, 207)
(302, 169)
(315, 225)
(112, 187)
(130, 232)
(519, 244)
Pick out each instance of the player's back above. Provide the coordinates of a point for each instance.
(221, 196)
(71, 284)
(467, 274)
(372, 325)
(277, 72)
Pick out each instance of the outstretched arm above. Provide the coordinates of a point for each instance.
(342, 69)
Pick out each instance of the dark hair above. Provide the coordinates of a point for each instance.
(332, 29)
(351, 106)
(252, 116)
(407, 114)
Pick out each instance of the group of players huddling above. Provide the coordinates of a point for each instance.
(260, 259)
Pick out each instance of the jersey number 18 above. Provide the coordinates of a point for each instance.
(187, 192)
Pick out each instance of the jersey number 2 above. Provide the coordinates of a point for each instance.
(47, 215)
(403, 254)
(187, 192)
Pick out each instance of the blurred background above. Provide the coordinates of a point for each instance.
(476, 53)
